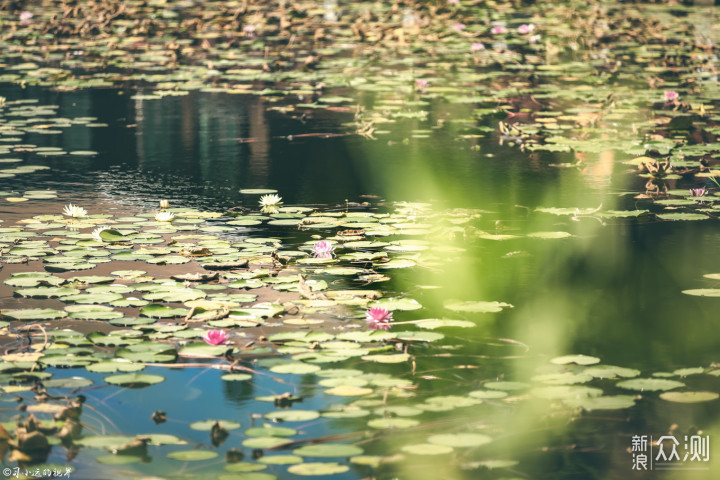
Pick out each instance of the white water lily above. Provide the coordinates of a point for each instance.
(96, 233)
(74, 211)
(164, 216)
(270, 201)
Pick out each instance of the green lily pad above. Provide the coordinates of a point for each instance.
(476, 307)
(280, 459)
(70, 382)
(264, 442)
(387, 358)
(206, 425)
(578, 359)
(650, 384)
(34, 314)
(236, 377)
(393, 422)
(427, 449)
(103, 441)
(297, 368)
(134, 380)
(689, 397)
(192, 455)
(610, 371)
(270, 432)
(293, 415)
(604, 402)
(317, 469)
(162, 311)
(328, 450)
(201, 349)
(433, 323)
(397, 304)
(703, 292)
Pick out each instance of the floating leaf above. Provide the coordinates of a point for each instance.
(383, 423)
(689, 397)
(295, 368)
(316, 469)
(348, 391)
(578, 359)
(328, 450)
(703, 292)
(610, 371)
(192, 455)
(134, 380)
(427, 449)
(293, 415)
(605, 402)
(650, 384)
(389, 358)
(475, 307)
(34, 314)
(206, 425)
(103, 441)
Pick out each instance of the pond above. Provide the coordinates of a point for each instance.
(466, 253)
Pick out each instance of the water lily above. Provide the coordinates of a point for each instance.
(671, 95)
(534, 39)
(421, 84)
(477, 47)
(459, 27)
(164, 204)
(96, 233)
(526, 28)
(25, 17)
(249, 30)
(323, 249)
(215, 337)
(698, 192)
(164, 216)
(453, 2)
(378, 318)
(270, 201)
(498, 30)
(74, 211)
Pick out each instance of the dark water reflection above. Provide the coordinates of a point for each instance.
(613, 291)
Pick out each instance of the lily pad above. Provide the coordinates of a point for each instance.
(650, 384)
(293, 415)
(317, 469)
(328, 450)
(206, 425)
(192, 455)
(689, 397)
(427, 449)
(134, 380)
(476, 307)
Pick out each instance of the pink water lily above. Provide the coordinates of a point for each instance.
(378, 318)
(323, 249)
(477, 47)
(25, 17)
(698, 192)
(498, 30)
(671, 95)
(525, 28)
(458, 26)
(215, 337)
